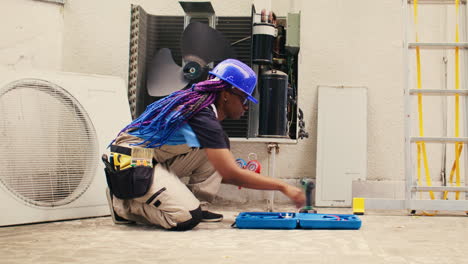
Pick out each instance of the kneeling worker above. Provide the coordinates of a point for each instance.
(183, 136)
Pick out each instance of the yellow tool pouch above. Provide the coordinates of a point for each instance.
(129, 174)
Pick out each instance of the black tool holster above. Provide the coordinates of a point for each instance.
(129, 183)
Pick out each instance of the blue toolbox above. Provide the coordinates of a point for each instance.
(267, 220)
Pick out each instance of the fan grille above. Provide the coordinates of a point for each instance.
(49, 145)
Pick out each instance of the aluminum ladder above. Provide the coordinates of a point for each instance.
(412, 185)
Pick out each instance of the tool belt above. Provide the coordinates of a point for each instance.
(129, 171)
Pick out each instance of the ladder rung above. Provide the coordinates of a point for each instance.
(444, 2)
(435, 45)
(440, 188)
(463, 92)
(439, 139)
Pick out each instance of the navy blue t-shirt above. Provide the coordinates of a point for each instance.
(208, 130)
(203, 130)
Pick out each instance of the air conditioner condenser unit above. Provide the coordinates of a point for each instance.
(54, 127)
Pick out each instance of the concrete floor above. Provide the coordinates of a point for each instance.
(389, 237)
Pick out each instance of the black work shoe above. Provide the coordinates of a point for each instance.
(208, 216)
(115, 217)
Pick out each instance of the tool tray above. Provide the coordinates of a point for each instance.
(267, 220)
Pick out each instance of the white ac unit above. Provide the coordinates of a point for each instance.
(54, 127)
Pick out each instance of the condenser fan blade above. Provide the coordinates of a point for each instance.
(203, 44)
(164, 76)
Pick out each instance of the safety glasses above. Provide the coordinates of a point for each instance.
(242, 96)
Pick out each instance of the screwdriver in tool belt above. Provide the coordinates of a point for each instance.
(107, 163)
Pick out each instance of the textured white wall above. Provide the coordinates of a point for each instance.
(358, 43)
(351, 43)
(96, 38)
(31, 35)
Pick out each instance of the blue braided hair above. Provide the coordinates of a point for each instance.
(163, 117)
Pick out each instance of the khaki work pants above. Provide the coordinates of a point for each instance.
(169, 201)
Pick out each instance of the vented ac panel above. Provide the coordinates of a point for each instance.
(149, 33)
(48, 137)
(54, 128)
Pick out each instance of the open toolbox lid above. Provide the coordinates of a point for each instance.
(328, 221)
(277, 220)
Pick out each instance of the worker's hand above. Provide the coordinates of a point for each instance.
(296, 195)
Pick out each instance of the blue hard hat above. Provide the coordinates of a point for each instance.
(238, 74)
